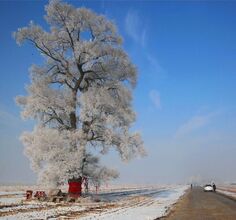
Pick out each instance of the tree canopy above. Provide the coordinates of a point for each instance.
(81, 96)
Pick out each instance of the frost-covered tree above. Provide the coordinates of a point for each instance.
(80, 96)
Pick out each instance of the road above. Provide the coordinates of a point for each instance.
(200, 205)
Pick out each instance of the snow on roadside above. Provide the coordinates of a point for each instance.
(153, 207)
(231, 194)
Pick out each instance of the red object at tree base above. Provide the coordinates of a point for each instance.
(75, 188)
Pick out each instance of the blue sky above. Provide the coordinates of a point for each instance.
(185, 53)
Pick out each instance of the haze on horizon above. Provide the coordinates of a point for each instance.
(185, 98)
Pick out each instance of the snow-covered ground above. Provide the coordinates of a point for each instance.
(146, 202)
(150, 205)
(227, 190)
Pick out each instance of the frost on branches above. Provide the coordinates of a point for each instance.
(81, 96)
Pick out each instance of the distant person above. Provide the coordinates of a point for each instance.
(191, 185)
(214, 187)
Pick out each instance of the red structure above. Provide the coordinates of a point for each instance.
(29, 194)
(40, 194)
(75, 187)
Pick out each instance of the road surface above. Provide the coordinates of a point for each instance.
(200, 205)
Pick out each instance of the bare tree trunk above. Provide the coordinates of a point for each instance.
(73, 124)
(73, 120)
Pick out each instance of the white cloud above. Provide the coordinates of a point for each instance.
(156, 67)
(135, 28)
(155, 98)
(193, 124)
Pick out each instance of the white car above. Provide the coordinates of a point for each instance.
(208, 188)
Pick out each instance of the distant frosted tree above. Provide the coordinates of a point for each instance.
(81, 96)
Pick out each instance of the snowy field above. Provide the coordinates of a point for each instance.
(121, 203)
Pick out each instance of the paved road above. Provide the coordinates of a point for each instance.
(200, 205)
